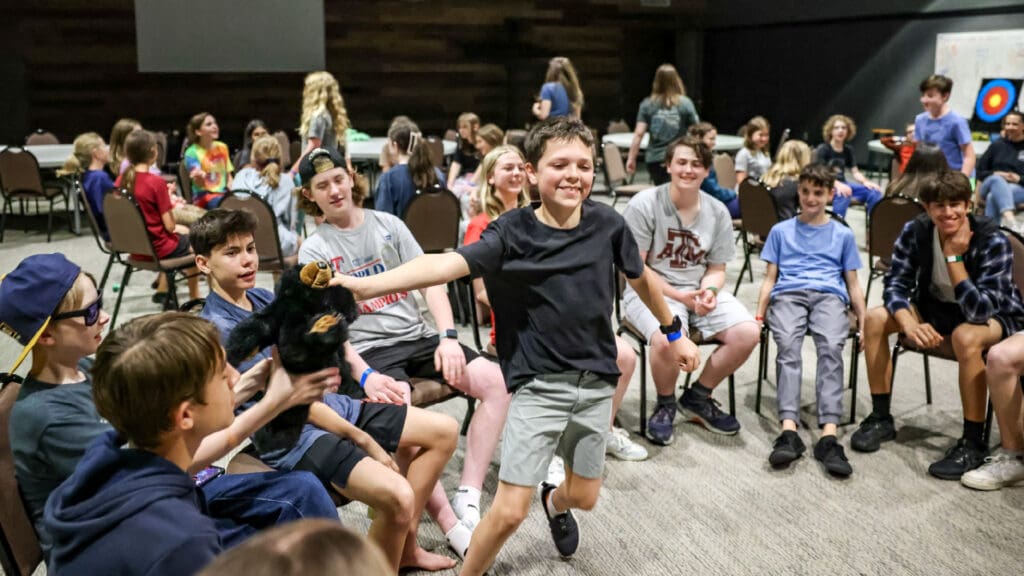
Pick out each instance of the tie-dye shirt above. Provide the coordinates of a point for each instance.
(216, 162)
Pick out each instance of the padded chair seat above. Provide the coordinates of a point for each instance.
(426, 392)
(165, 264)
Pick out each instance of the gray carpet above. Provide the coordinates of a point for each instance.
(711, 504)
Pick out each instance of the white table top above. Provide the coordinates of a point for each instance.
(876, 146)
(724, 143)
(49, 155)
(365, 150)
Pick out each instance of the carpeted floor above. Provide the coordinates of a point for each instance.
(710, 504)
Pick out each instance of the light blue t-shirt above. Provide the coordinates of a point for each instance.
(949, 132)
(555, 92)
(811, 257)
(225, 316)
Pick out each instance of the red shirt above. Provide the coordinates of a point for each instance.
(474, 229)
(154, 200)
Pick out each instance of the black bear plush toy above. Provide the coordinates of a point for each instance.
(308, 322)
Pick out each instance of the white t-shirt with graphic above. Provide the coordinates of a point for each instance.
(381, 243)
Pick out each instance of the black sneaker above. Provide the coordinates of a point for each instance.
(788, 447)
(707, 413)
(963, 457)
(830, 453)
(872, 432)
(564, 530)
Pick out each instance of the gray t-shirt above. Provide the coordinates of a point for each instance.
(755, 164)
(380, 244)
(321, 126)
(665, 124)
(680, 254)
(281, 201)
(941, 286)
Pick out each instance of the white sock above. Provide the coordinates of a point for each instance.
(466, 505)
(551, 505)
(458, 538)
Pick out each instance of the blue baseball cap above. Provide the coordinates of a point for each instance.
(30, 294)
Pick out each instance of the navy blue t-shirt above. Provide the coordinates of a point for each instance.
(552, 290)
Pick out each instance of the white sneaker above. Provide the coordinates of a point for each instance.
(1003, 468)
(556, 471)
(618, 444)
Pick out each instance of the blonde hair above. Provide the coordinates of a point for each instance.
(267, 148)
(826, 128)
(560, 70)
(667, 86)
(494, 206)
(81, 156)
(791, 158)
(73, 299)
(122, 128)
(321, 92)
(754, 125)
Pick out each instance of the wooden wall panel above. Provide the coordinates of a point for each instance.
(430, 60)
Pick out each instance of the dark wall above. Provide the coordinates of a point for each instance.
(430, 60)
(798, 74)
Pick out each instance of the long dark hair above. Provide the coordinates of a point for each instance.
(407, 137)
(926, 163)
(139, 148)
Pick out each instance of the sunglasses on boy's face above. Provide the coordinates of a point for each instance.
(91, 313)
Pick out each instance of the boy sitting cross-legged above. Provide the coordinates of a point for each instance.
(809, 258)
(547, 271)
(347, 442)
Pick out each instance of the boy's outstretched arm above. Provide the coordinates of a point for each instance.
(420, 272)
(685, 351)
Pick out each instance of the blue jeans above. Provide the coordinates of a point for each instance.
(1000, 196)
(861, 193)
(243, 504)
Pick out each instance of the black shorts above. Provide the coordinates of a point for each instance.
(412, 359)
(332, 458)
(183, 248)
(946, 316)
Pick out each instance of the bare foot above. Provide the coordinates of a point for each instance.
(427, 561)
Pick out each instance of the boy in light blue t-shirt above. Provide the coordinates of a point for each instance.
(810, 281)
(941, 126)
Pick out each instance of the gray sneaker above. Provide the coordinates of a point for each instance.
(1003, 468)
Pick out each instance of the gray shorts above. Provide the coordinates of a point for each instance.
(567, 414)
(728, 313)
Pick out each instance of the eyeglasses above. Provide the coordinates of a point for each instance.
(91, 313)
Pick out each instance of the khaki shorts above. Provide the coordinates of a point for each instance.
(728, 313)
(567, 414)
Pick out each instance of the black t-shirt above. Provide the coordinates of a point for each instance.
(838, 162)
(552, 290)
(468, 160)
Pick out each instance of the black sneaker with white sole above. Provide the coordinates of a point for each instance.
(564, 530)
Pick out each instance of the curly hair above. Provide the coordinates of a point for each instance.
(360, 188)
(826, 128)
(322, 93)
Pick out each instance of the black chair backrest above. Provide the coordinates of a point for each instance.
(184, 182)
(614, 169)
(757, 207)
(887, 221)
(20, 553)
(1017, 245)
(433, 218)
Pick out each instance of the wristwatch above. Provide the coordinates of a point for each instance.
(675, 326)
(451, 333)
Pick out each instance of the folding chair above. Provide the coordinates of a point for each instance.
(97, 231)
(887, 221)
(615, 174)
(433, 218)
(20, 552)
(21, 180)
(128, 235)
(759, 215)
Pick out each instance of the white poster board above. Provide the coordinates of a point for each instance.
(967, 57)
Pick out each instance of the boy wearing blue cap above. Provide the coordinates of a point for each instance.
(52, 308)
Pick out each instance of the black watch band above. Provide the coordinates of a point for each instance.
(675, 326)
(451, 333)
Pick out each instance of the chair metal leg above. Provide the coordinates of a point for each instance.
(986, 437)
(470, 409)
(927, 380)
(867, 291)
(120, 293)
(853, 378)
(746, 264)
(762, 367)
(686, 382)
(49, 220)
(643, 390)
(106, 272)
(732, 394)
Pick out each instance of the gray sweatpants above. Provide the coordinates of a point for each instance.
(793, 315)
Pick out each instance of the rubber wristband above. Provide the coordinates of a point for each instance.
(366, 374)
(759, 318)
(713, 289)
(952, 259)
(673, 336)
